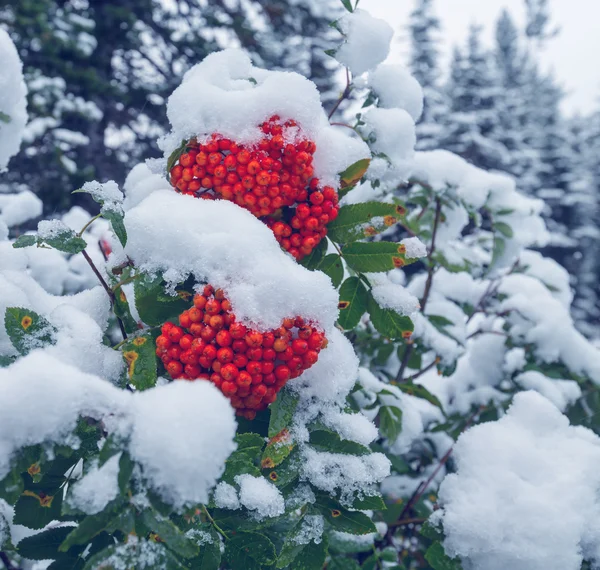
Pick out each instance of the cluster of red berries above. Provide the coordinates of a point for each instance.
(273, 179)
(248, 366)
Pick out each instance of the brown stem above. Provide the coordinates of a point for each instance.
(343, 96)
(410, 347)
(425, 484)
(7, 563)
(405, 522)
(104, 284)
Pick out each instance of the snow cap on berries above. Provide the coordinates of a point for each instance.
(226, 94)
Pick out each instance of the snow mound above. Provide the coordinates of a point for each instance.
(367, 41)
(226, 94)
(501, 508)
(13, 100)
(396, 87)
(180, 433)
(226, 246)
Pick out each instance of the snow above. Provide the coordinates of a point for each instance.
(392, 132)
(13, 101)
(389, 295)
(562, 393)
(260, 496)
(539, 318)
(501, 509)
(367, 42)
(108, 194)
(98, 487)
(217, 96)
(16, 209)
(180, 433)
(225, 496)
(338, 364)
(311, 530)
(415, 248)
(349, 475)
(51, 229)
(226, 246)
(396, 87)
(353, 427)
(41, 400)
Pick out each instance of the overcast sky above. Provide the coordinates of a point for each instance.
(574, 54)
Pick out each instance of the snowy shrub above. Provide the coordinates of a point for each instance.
(260, 352)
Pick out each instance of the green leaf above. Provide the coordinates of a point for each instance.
(374, 257)
(431, 532)
(369, 503)
(314, 258)
(358, 221)
(420, 392)
(153, 305)
(250, 442)
(498, 251)
(64, 239)
(342, 563)
(174, 157)
(347, 5)
(282, 411)
(333, 267)
(130, 554)
(122, 310)
(93, 525)
(354, 172)
(504, 229)
(439, 560)
(325, 440)
(353, 522)
(312, 556)
(139, 355)
(44, 545)
(353, 302)
(210, 551)
(6, 361)
(116, 221)
(24, 241)
(5, 118)
(277, 450)
(438, 321)
(170, 534)
(388, 322)
(390, 422)
(37, 509)
(126, 466)
(27, 330)
(249, 551)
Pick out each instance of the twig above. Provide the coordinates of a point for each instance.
(345, 93)
(430, 272)
(436, 223)
(104, 284)
(88, 224)
(405, 522)
(213, 522)
(423, 370)
(6, 561)
(425, 484)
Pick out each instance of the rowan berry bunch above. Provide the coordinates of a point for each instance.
(248, 366)
(273, 179)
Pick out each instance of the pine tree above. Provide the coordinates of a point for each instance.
(472, 91)
(99, 73)
(424, 26)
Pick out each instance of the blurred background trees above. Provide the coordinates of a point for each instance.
(99, 73)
